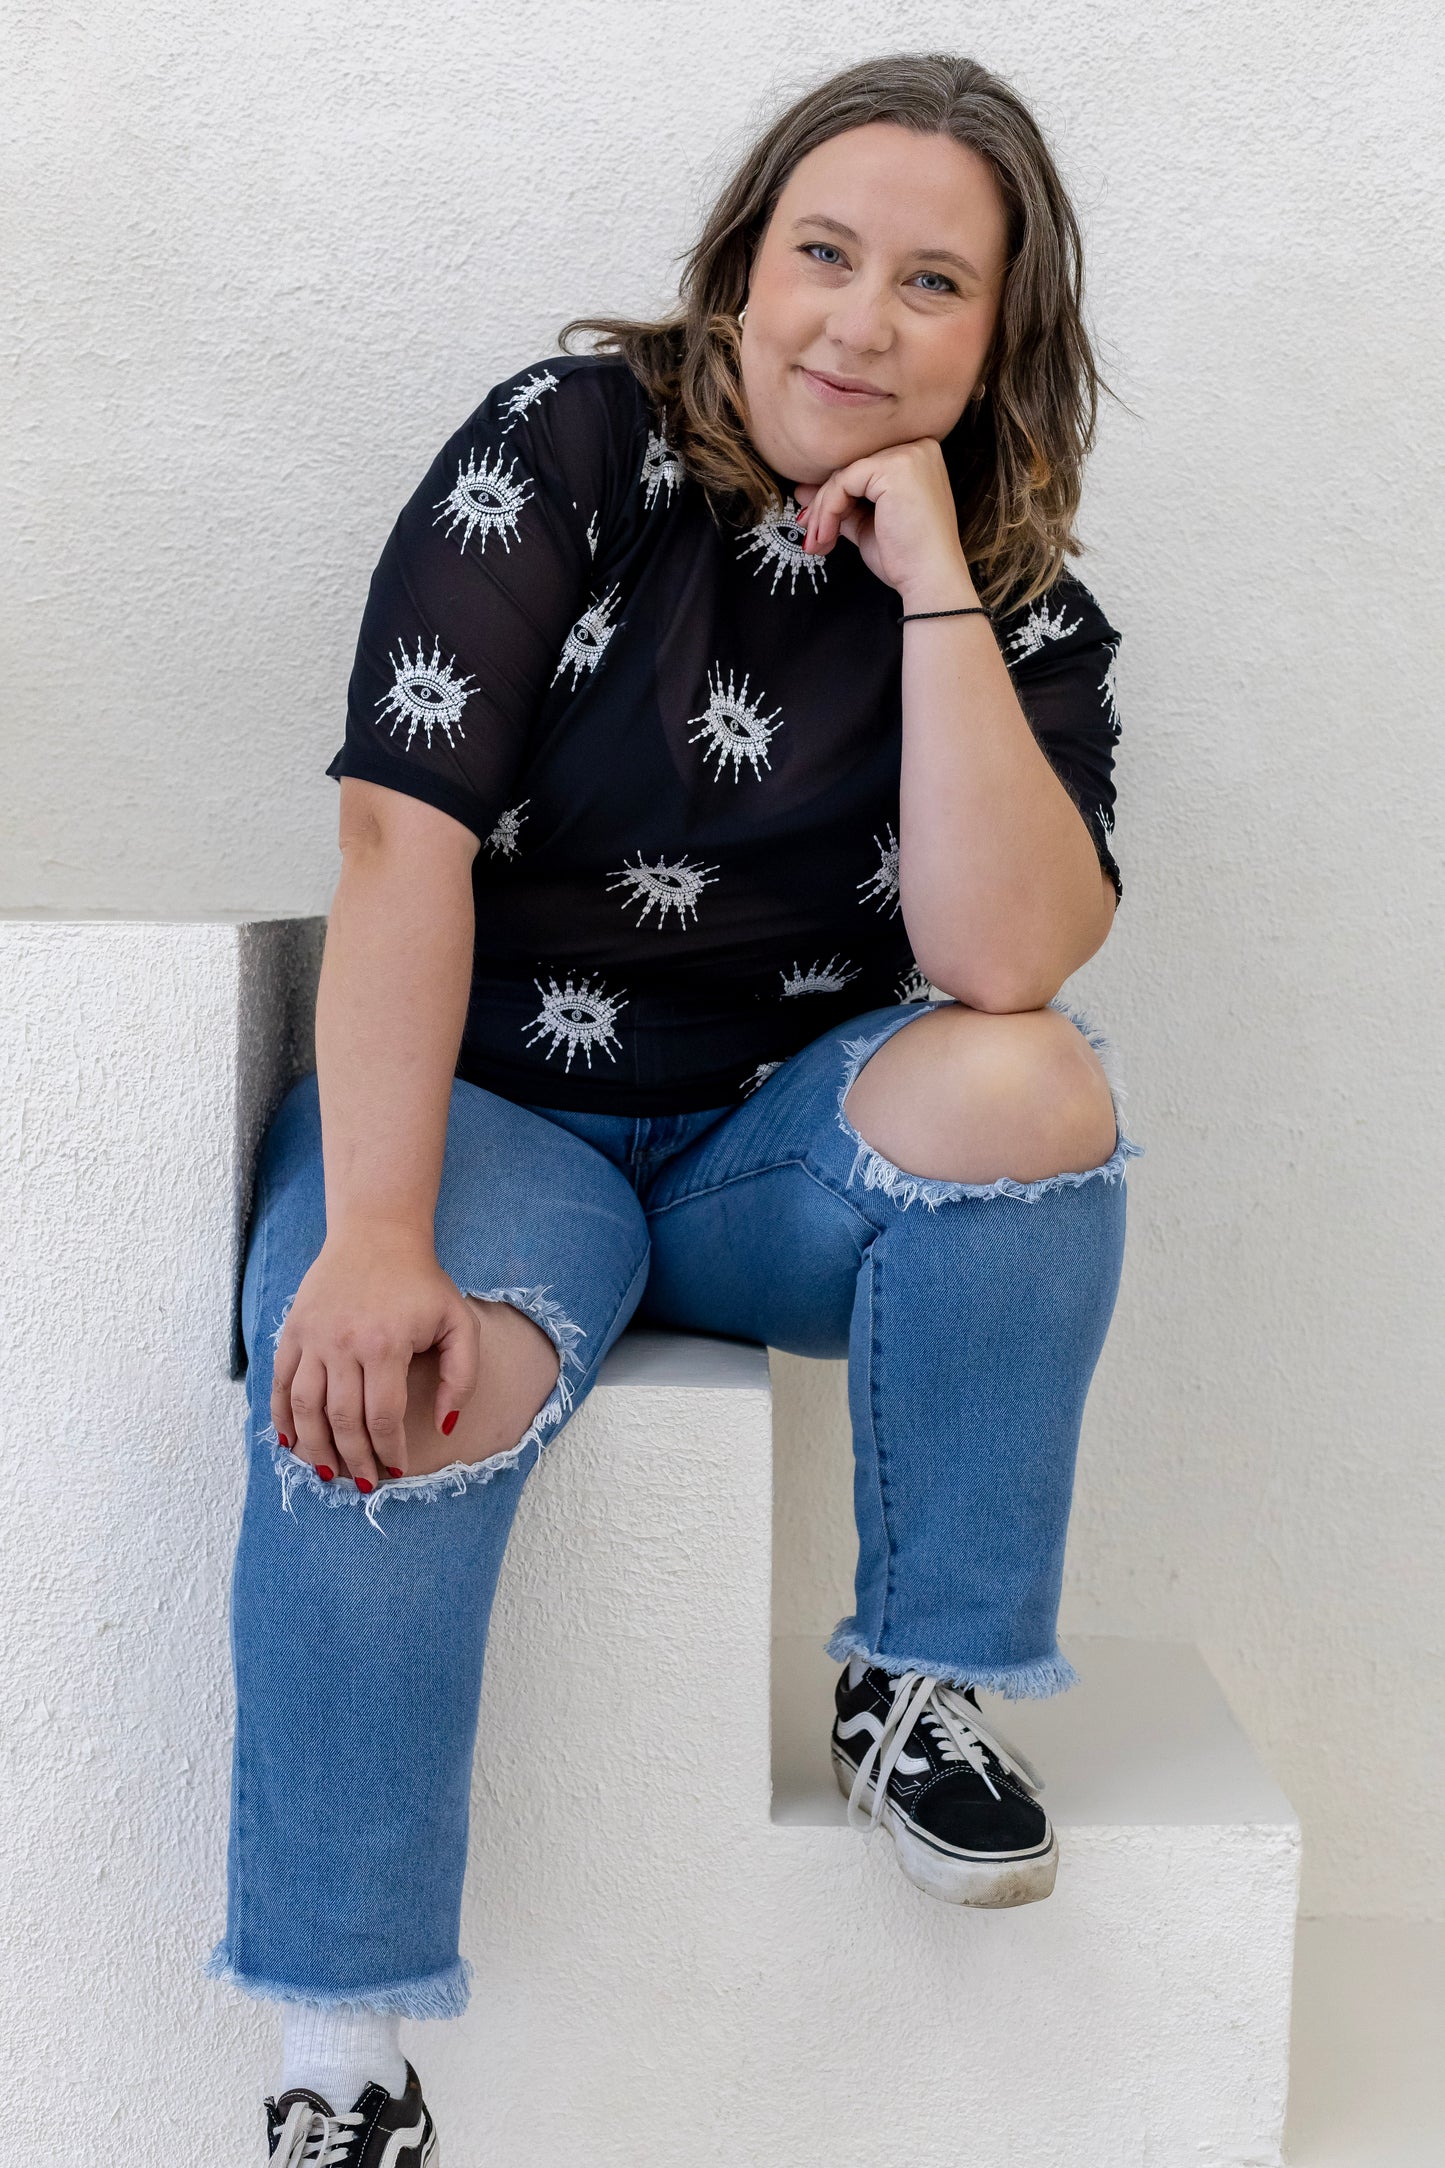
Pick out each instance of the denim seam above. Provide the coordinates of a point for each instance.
(890, 1552)
(747, 1174)
(243, 1808)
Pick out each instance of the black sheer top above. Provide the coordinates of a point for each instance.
(677, 742)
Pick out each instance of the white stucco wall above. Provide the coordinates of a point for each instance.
(262, 261)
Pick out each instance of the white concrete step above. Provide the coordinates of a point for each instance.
(686, 1954)
(682, 1954)
(1144, 1741)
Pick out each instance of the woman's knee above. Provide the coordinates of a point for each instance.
(968, 1095)
(518, 1369)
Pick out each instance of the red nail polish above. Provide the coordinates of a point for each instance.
(449, 1422)
(363, 1485)
(285, 1441)
(393, 1471)
(327, 1475)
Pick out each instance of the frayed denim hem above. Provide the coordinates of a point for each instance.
(460, 1475)
(876, 1172)
(440, 1994)
(1035, 1681)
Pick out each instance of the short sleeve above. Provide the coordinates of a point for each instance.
(487, 568)
(1061, 652)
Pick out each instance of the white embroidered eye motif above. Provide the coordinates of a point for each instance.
(674, 887)
(661, 468)
(527, 394)
(582, 648)
(505, 839)
(735, 727)
(882, 883)
(1038, 627)
(425, 693)
(778, 540)
(485, 502)
(1109, 687)
(828, 978)
(759, 1076)
(579, 1014)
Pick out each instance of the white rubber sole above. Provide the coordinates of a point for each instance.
(990, 1883)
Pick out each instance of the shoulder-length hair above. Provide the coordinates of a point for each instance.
(1016, 456)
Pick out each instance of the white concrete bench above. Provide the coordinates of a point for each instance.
(683, 1955)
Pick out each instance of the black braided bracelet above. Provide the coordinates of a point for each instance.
(972, 611)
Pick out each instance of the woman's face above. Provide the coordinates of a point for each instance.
(881, 268)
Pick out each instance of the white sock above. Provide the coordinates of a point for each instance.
(337, 2053)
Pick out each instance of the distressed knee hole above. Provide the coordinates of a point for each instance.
(1060, 1079)
(456, 1476)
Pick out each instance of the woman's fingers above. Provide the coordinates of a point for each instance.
(827, 512)
(346, 1414)
(814, 518)
(457, 1348)
(384, 1388)
(288, 1355)
(312, 1437)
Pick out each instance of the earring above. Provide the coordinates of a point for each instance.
(742, 312)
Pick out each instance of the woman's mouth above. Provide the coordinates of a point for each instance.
(845, 392)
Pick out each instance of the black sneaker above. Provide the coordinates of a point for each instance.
(382, 2130)
(955, 1800)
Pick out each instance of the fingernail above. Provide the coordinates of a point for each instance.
(363, 1485)
(449, 1422)
(286, 1442)
(327, 1475)
(393, 1471)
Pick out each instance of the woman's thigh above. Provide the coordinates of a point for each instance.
(760, 1227)
(527, 1214)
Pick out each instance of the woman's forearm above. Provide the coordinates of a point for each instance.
(1002, 890)
(1001, 885)
(390, 1010)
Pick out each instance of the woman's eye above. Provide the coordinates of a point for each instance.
(946, 287)
(809, 246)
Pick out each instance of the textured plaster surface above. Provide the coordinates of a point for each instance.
(656, 1956)
(262, 262)
(125, 1089)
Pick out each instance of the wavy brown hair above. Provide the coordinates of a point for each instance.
(1015, 457)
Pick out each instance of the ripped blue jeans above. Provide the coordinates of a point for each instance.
(972, 1316)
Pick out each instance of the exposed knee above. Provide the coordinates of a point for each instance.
(967, 1095)
(518, 1367)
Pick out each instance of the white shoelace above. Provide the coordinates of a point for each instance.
(953, 1722)
(310, 2139)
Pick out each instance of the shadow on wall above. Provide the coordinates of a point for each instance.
(278, 967)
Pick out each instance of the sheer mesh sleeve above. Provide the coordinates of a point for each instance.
(479, 586)
(1061, 652)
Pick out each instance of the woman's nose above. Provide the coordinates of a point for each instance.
(859, 320)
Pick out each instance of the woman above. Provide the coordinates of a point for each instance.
(725, 798)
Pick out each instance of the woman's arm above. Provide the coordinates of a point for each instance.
(390, 1011)
(1001, 887)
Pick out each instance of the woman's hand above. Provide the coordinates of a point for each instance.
(338, 1394)
(897, 506)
